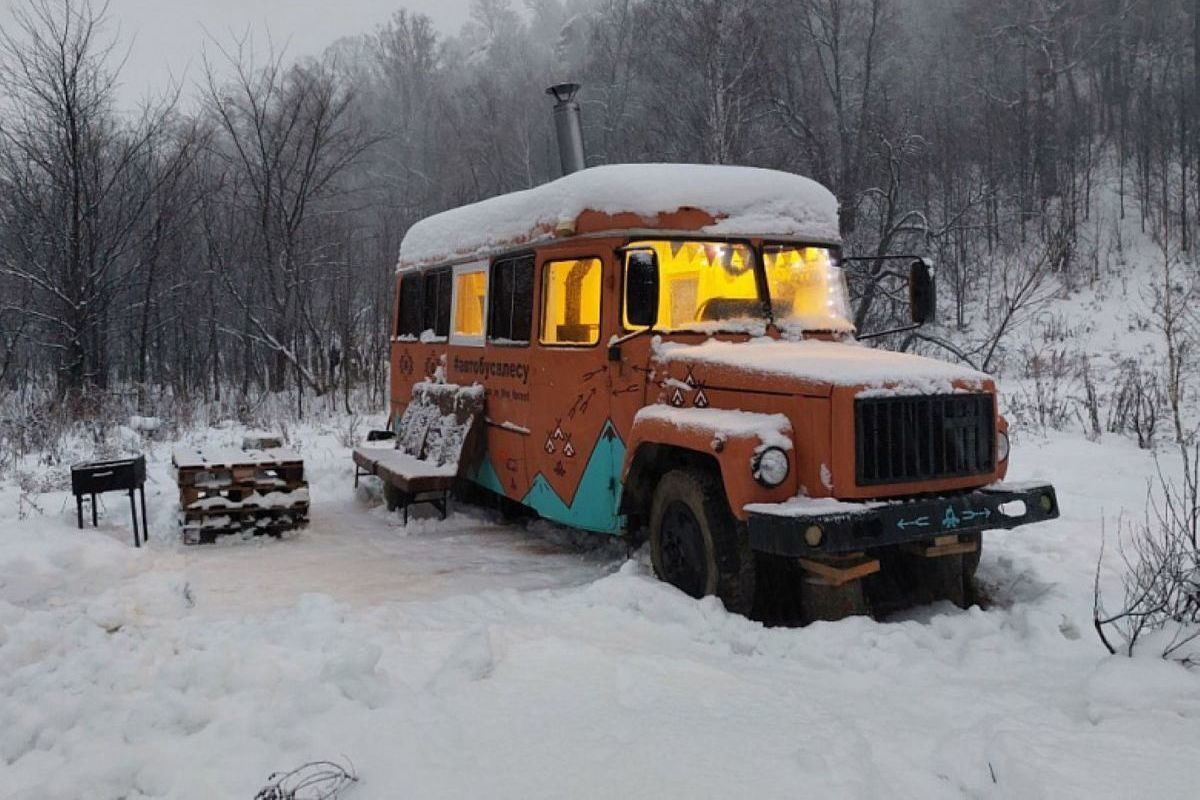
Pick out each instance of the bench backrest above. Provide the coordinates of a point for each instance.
(442, 423)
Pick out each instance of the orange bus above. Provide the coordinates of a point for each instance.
(667, 352)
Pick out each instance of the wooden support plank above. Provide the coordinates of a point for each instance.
(190, 494)
(245, 511)
(942, 546)
(843, 570)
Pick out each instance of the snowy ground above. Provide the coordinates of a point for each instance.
(468, 659)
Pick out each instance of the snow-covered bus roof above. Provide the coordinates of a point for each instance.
(741, 201)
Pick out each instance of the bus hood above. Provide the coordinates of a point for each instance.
(814, 366)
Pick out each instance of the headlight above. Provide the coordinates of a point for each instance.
(771, 467)
(1001, 446)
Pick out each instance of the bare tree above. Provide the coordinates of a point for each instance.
(830, 89)
(74, 179)
(287, 133)
(1160, 568)
(1172, 314)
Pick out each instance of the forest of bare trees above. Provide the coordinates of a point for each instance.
(245, 245)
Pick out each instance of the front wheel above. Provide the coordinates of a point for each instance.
(696, 544)
(951, 577)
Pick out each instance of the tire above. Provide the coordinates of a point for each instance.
(971, 560)
(696, 544)
(944, 579)
(822, 601)
(970, 563)
(951, 577)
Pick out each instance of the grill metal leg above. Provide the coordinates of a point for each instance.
(79, 509)
(133, 513)
(145, 525)
(95, 524)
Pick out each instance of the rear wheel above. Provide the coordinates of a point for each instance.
(696, 544)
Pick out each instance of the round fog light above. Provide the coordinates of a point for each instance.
(1046, 503)
(1002, 446)
(813, 535)
(771, 467)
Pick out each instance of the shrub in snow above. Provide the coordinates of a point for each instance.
(1137, 402)
(1160, 559)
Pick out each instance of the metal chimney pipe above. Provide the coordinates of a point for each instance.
(567, 127)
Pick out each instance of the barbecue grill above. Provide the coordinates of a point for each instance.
(117, 475)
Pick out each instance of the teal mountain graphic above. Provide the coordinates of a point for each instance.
(486, 476)
(597, 498)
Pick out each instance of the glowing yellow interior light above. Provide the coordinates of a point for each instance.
(571, 302)
(807, 288)
(704, 282)
(470, 297)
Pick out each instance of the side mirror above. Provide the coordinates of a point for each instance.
(922, 292)
(641, 288)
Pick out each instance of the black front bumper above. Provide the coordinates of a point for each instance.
(782, 531)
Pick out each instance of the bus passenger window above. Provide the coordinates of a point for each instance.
(571, 302)
(410, 308)
(510, 306)
(435, 318)
(470, 303)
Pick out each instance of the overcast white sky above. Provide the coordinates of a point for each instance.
(165, 37)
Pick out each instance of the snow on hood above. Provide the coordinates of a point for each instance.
(743, 200)
(835, 363)
(773, 430)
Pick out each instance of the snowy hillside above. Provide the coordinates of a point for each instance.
(472, 659)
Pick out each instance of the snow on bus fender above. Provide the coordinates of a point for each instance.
(733, 438)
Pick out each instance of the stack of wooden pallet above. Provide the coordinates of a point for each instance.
(224, 491)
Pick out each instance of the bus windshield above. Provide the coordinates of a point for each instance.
(715, 286)
(706, 285)
(808, 288)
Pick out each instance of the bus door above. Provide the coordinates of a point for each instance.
(502, 366)
(574, 453)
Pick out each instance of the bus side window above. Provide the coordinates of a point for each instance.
(436, 303)
(510, 307)
(571, 302)
(410, 311)
(470, 303)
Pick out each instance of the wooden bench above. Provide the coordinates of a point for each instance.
(439, 437)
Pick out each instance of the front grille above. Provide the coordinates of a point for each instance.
(921, 438)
